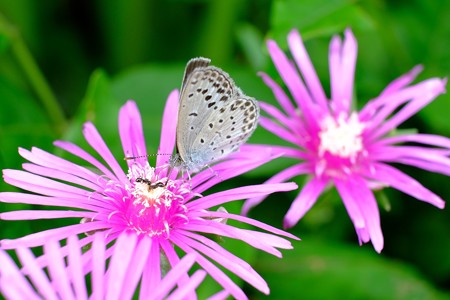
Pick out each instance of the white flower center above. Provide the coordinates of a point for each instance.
(156, 205)
(151, 195)
(341, 137)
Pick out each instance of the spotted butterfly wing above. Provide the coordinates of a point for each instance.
(214, 116)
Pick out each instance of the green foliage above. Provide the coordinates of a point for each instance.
(323, 269)
(96, 55)
(317, 18)
(23, 124)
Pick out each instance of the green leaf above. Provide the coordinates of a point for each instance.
(101, 108)
(437, 63)
(318, 269)
(316, 18)
(22, 124)
(251, 41)
(127, 31)
(383, 200)
(4, 42)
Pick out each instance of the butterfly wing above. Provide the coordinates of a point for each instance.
(205, 91)
(229, 127)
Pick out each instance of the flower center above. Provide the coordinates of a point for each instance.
(155, 205)
(341, 137)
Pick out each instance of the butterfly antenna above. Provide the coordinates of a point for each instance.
(142, 156)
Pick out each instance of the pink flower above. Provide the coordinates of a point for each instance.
(346, 148)
(119, 279)
(168, 211)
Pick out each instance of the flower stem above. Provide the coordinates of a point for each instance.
(34, 75)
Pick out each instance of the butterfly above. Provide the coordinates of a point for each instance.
(214, 116)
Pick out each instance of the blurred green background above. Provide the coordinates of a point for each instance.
(65, 62)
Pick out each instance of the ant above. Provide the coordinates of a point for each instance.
(149, 183)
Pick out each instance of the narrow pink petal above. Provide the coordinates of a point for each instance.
(280, 95)
(189, 287)
(239, 193)
(304, 201)
(56, 174)
(402, 182)
(13, 284)
(220, 229)
(43, 261)
(419, 151)
(235, 168)
(224, 257)
(38, 183)
(53, 162)
(136, 268)
(250, 221)
(98, 266)
(369, 208)
(403, 80)
(43, 187)
(213, 271)
(292, 80)
(89, 259)
(272, 111)
(292, 124)
(429, 92)
(428, 139)
(363, 235)
(75, 268)
(277, 151)
(236, 164)
(383, 106)
(168, 128)
(119, 263)
(280, 131)
(350, 202)
(131, 134)
(222, 295)
(36, 274)
(37, 239)
(77, 151)
(396, 86)
(96, 141)
(173, 258)
(11, 289)
(75, 202)
(151, 277)
(348, 63)
(436, 158)
(171, 278)
(283, 176)
(426, 92)
(57, 270)
(334, 58)
(271, 239)
(254, 152)
(44, 214)
(307, 69)
(425, 165)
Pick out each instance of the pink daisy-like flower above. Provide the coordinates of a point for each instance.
(345, 148)
(147, 201)
(66, 279)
